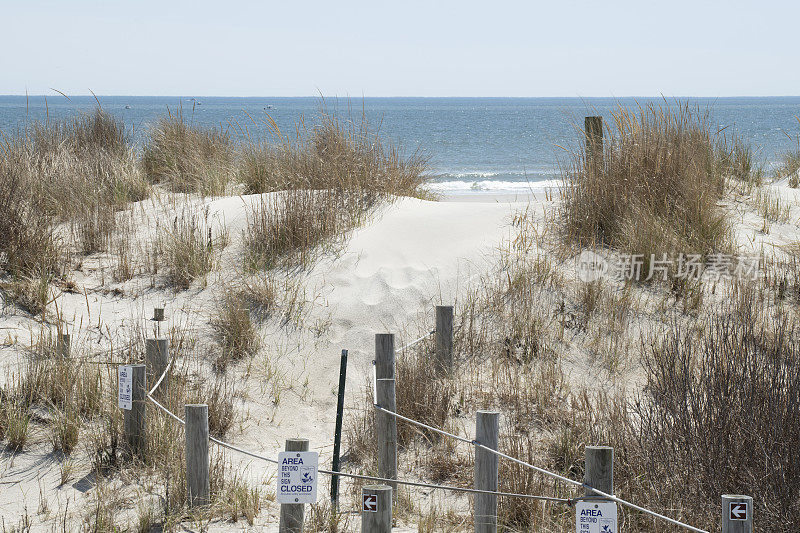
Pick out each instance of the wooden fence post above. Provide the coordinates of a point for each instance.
(737, 513)
(594, 144)
(63, 344)
(157, 358)
(379, 498)
(134, 424)
(197, 469)
(292, 514)
(386, 424)
(599, 469)
(443, 339)
(487, 432)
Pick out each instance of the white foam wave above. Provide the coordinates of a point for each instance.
(494, 185)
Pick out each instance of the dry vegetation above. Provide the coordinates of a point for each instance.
(717, 374)
(656, 192)
(187, 158)
(790, 167)
(68, 193)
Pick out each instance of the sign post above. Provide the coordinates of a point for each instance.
(737, 513)
(376, 509)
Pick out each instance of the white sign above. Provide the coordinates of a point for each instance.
(596, 517)
(125, 387)
(297, 477)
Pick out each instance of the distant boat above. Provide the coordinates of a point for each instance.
(127, 107)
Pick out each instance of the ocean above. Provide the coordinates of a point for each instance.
(474, 144)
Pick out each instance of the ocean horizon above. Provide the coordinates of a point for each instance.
(475, 144)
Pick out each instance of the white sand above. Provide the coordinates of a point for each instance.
(388, 277)
(412, 256)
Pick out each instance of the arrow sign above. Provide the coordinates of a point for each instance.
(738, 511)
(370, 503)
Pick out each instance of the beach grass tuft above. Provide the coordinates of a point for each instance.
(188, 158)
(663, 171)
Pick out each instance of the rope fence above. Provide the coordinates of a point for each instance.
(259, 456)
(385, 352)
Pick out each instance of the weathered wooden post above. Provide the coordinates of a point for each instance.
(157, 358)
(337, 435)
(134, 423)
(599, 471)
(376, 509)
(63, 344)
(197, 467)
(737, 513)
(292, 514)
(487, 433)
(443, 339)
(386, 424)
(594, 144)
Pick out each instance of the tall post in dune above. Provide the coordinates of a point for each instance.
(737, 513)
(134, 422)
(593, 127)
(443, 339)
(487, 433)
(599, 471)
(197, 467)
(292, 514)
(337, 435)
(376, 509)
(157, 358)
(386, 424)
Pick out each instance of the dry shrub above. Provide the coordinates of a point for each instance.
(77, 172)
(422, 396)
(361, 442)
(790, 166)
(188, 158)
(189, 248)
(721, 414)
(345, 155)
(286, 229)
(237, 334)
(663, 172)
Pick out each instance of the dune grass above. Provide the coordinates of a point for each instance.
(323, 183)
(341, 154)
(664, 170)
(77, 173)
(187, 158)
(790, 166)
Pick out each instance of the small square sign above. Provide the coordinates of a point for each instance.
(297, 477)
(370, 503)
(738, 511)
(125, 400)
(596, 517)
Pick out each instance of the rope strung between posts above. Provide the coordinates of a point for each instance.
(354, 476)
(417, 341)
(475, 443)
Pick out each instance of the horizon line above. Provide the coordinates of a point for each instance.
(187, 95)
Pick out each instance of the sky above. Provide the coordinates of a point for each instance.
(400, 48)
